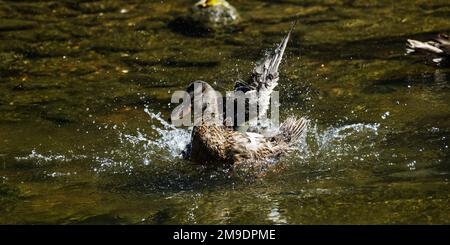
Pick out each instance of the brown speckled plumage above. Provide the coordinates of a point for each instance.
(223, 145)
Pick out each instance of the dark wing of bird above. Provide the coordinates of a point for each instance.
(263, 80)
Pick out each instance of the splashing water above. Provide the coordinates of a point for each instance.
(335, 144)
(332, 134)
(143, 148)
(165, 143)
(139, 148)
(50, 157)
(173, 139)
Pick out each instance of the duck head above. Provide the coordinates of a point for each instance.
(203, 102)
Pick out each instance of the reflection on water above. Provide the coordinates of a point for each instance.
(85, 88)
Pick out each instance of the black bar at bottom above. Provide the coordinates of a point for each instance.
(242, 234)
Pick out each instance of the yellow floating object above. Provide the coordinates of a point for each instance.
(208, 3)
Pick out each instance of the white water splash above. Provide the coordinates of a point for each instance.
(340, 144)
(59, 174)
(171, 138)
(145, 148)
(340, 133)
(49, 157)
(141, 147)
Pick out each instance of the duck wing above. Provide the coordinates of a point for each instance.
(263, 80)
(256, 146)
(265, 74)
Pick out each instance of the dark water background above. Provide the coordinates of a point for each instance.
(85, 88)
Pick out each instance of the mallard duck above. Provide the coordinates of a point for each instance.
(437, 49)
(212, 142)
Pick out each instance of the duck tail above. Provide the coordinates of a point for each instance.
(293, 129)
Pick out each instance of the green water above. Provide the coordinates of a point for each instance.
(77, 144)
